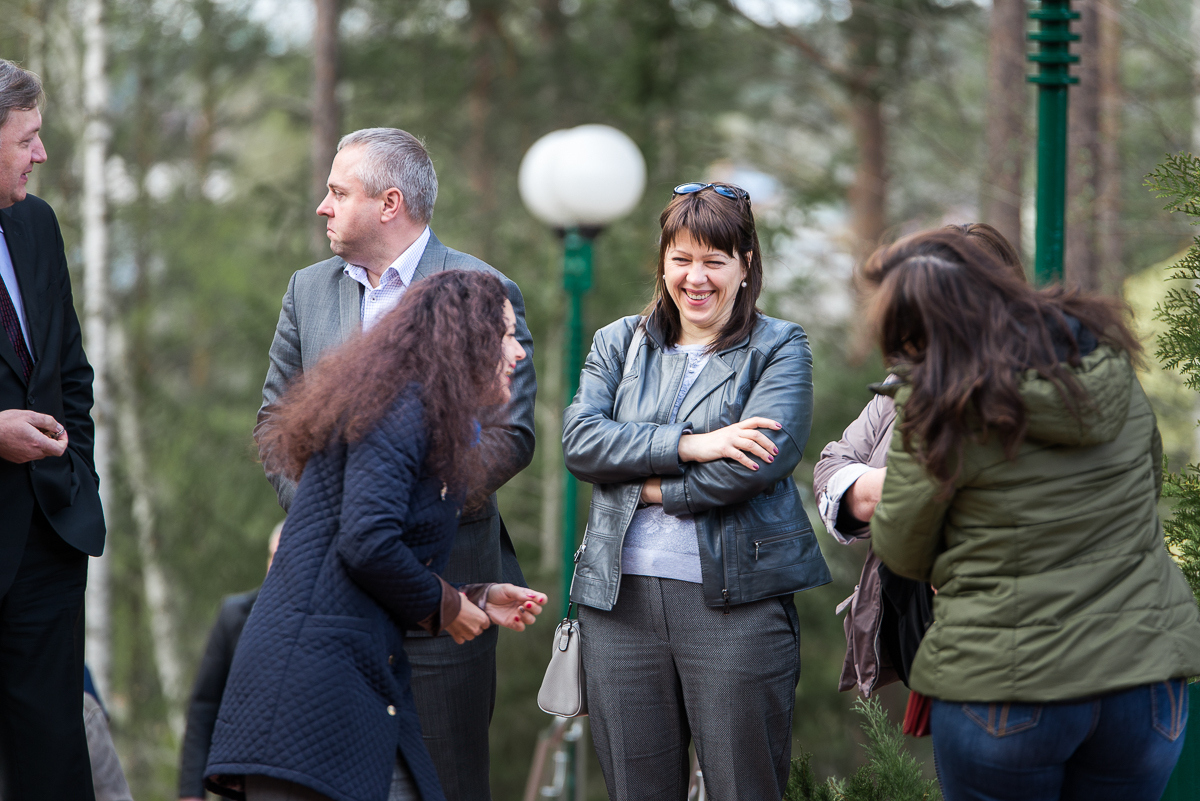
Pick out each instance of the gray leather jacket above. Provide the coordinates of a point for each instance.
(754, 536)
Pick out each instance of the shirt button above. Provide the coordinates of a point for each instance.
(391, 710)
(391, 659)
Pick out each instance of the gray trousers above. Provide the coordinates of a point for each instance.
(268, 788)
(454, 687)
(664, 669)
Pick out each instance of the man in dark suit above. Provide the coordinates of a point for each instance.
(382, 187)
(50, 516)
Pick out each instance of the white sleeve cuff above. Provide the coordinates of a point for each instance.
(830, 501)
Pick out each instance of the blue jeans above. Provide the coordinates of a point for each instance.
(1121, 746)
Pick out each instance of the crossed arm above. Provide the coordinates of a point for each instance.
(685, 471)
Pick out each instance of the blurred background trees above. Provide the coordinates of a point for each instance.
(849, 121)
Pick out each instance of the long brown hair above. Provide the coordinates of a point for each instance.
(444, 340)
(989, 238)
(965, 327)
(718, 222)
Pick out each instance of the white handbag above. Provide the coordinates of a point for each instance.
(564, 687)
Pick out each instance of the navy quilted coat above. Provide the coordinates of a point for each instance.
(319, 689)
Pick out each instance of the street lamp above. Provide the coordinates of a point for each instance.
(577, 181)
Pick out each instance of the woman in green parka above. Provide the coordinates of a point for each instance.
(1023, 483)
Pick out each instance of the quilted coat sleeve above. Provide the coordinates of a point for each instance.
(783, 393)
(380, 484)
(599, 449)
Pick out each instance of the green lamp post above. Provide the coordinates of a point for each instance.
(577, 181)
(1053, 58)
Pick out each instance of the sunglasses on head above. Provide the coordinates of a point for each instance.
(724, 190)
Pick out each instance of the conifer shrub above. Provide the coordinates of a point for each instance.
(1177, 180)
(891, 772)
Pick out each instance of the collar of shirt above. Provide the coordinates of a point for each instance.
(402, 269)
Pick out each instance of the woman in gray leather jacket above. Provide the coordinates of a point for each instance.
(689, 421)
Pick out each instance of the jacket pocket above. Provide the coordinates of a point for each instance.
(1001, 720)
(1169, 707)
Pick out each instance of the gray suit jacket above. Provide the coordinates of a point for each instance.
(321, 309)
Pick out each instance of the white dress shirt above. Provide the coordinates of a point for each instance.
(393, 282)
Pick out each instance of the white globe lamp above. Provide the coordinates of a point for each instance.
(584, 177)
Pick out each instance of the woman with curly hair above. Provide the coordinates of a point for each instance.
(383, 436)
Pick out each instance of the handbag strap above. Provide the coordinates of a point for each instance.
(634, 343)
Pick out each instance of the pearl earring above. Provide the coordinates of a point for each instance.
(743, 283)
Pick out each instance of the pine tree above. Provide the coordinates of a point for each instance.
(1177, 180)
(891, 772)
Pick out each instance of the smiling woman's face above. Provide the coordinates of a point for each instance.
(703, 282)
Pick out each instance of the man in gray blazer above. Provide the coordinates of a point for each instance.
(382, 188)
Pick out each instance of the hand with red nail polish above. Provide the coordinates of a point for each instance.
(513, 607)
(739, 442)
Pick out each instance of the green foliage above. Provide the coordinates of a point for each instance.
(1178, 180)
(1179, 346)
(1182, 528)
(891, 772)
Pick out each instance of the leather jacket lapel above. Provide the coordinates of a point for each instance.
(714, 374)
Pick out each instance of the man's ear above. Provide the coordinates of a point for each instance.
(392, 205)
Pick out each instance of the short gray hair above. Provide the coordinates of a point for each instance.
(395, 158)
(20, 90)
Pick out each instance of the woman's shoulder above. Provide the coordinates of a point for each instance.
(406, 415)
(617, 335)
(771, 333)
(619, 329)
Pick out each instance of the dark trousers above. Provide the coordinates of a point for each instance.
(41, 672)
(454, 687)
(1116, 747)
(663, 669)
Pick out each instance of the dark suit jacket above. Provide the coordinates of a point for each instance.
(64, 487)
(208, 689)
(321, 310)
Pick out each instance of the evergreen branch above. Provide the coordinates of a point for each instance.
(1177, 179)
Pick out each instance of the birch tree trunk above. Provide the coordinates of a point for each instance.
(326, 119)
(1080, 260)
(1007, 102)
(96, 134)
(154, 582)
(1109, 240)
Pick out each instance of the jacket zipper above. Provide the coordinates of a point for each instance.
(769, 540)
(725, 595)
(582, 547)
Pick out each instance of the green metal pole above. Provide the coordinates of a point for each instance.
(1053, 59)
(577, 280)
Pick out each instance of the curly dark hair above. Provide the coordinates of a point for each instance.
(446, 338)
(966, 326)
